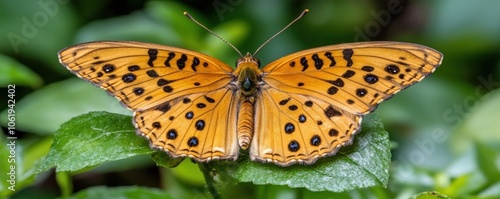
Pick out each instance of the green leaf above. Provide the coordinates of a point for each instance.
(372, 192)
(136, 26)
(465, 184)
(92, 139)
(43, 111)
(363, 164)
(162, 159)
(121, 192)
(488, 160)
(169, 15)
(185, 171)
(492, 191)
(8, 157)
(13, 72)
(430, 195)
(24, 155)
(481, 124)
(35, 31)
(234, 31)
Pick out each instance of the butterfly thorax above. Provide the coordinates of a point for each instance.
(248, 72)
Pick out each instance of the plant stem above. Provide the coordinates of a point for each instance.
(205, 169)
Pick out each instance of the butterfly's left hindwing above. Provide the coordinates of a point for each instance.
(201, 126)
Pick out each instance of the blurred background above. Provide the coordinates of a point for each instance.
(445, 130)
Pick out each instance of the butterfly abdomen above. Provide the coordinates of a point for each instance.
(245, 124)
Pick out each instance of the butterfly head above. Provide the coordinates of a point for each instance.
(248, 58)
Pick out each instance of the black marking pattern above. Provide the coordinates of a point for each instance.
(168, 89)
(371, 78)
(192, 141)
(209, 99)
(163, 82)
(348, 74)
(303, 62)
(196, 62)
(289, 128)
(315, 140)
(392, 69)
(302, 118)
(200, 125)
(361, 92)
(368, 68)
(181, 63)
(171, 55)
(333, 133)
(308, 103)
(189, 115)
(331, 112)
(330, 57)
(129, 77)
(338, 82)
(347, 55)
(156, 125)
(163, 107)
(332, 90)
(138, 91)
(318, 62)
(152, 73)
(108, 68)
(283, 102)
(133, 68)
(171, 134)
(293, 146)
(153, 53)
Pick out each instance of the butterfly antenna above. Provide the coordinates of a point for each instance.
(279, 32)
(213, 33)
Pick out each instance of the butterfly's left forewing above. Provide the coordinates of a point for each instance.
(143, 75)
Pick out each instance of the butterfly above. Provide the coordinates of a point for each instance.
(296, 109)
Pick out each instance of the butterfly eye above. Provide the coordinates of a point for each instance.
(238, 62)
(257, 61)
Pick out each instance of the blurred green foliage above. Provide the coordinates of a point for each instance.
(445, 129)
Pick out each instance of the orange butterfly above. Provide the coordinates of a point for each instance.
(296, 109)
